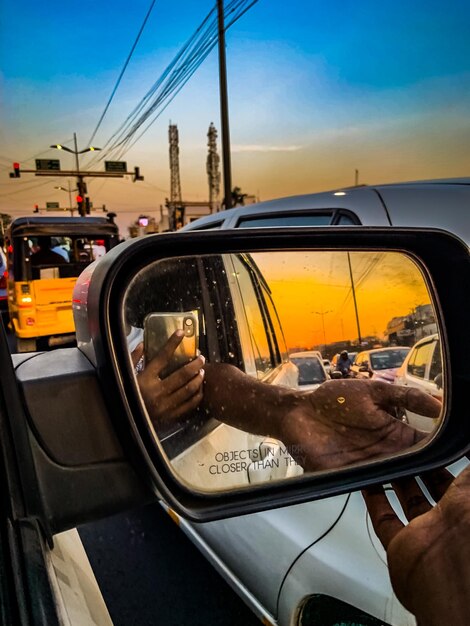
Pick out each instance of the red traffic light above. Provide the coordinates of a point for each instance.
(79, 199)
(16, 171)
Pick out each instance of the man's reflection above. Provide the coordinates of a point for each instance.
(342, 422)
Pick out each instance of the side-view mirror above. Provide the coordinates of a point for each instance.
(336, 375)
(246, 429)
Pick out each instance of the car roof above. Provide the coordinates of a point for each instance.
(306, 354)
(387, 348)
(349, 199)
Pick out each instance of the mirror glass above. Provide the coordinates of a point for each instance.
(264, 366)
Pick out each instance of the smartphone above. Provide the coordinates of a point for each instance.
(158, 328)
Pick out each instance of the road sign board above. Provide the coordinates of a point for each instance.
(52, 205)
(115, 166)
(48, 164)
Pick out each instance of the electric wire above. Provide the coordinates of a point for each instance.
(24, 190)
(120, 135)
(178, 72)
(122, 72)
(172, 80)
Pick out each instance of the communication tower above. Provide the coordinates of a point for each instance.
(175, 184)
(213, 173)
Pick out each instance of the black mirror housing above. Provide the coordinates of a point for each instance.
(444, 260)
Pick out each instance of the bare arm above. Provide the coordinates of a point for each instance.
(342, 422)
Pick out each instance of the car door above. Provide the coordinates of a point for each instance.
(254, 552)
(421, 370)
(45, 580)
(361, 365)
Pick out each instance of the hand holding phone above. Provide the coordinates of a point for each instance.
(159, 327)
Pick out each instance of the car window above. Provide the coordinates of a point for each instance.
(387, 359)
(361, 358)
(346, 220)
(419, 360)
(436, 363)
(316, 219)
(257, 322)
(310, 371)
(277, 334)
(210, 226)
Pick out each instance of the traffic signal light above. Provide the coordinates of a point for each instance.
(80, 206)
(137, 174)
(87, 206)
(16, 171)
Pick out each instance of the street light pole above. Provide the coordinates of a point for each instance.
(77, 164)
(323, 313)
(224, 119)
(82, 190)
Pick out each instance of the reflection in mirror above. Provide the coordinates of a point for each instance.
(229, 356)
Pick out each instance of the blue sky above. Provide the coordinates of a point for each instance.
(316, 90)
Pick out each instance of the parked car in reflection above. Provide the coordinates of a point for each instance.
(422, 369)
(380, 363)
(312, 372)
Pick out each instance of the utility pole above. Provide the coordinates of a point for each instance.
(323, 313)
(227, 166)
(353, 290)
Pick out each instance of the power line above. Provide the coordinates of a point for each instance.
(24, 190)
(172, 80)
(122, 72)
(120, 135)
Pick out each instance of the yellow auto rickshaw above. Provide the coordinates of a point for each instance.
(45, 255)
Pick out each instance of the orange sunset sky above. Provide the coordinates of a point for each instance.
(310, 288)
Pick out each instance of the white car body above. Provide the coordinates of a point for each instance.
(419, 370)
(368, 364)
(277, 560)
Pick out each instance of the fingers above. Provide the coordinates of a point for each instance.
(437, 482)
(136, 354)
(184, 374)
(411, 497)
(384, 519)
(186, 407)
(192, 387)
(407, 398)
(158, 363)
(165, 403)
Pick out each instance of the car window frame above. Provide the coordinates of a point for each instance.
(273, 217)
